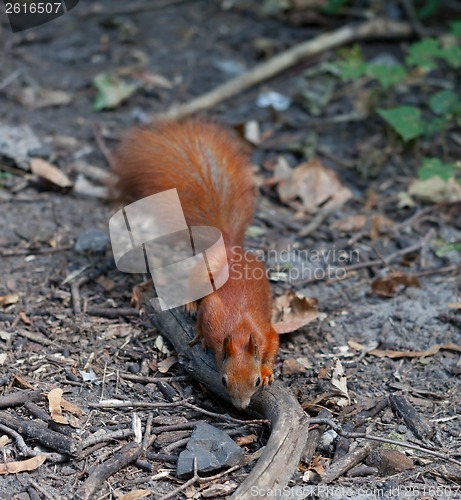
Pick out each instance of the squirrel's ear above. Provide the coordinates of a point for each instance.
(227, 348)
(253, 346)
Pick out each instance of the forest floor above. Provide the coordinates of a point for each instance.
(65, 317)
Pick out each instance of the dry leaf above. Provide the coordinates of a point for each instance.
(379, 225)
(456, 305)
(391, 284)
(246, 440)
(75, 410)
(292, 366)
(50, 173)
(317, 465)
(338, 378)
(22, 466)
(135, 494)
(4, 440)
(54, 404)
(292, 311)
(415, 354)
(8, 299)
(105, 283)
(436, 190)
(350, 224)
(314, 184)
(164, 365)
(35, 98)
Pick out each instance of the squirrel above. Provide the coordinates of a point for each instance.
(209, 166)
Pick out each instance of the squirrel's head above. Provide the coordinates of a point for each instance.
(240, 370)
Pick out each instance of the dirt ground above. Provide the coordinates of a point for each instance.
(46, 342)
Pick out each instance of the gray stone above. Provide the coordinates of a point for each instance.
(92, 240)
(213, 448)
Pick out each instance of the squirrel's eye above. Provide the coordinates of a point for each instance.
(258, 381)
(224, 381)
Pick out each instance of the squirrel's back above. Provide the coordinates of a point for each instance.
(205, 162)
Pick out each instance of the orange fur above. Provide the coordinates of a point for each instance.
(209, 167)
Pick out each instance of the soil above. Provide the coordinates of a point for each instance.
(48, 343)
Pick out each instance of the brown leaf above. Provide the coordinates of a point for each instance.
(69, 407)
(390, 285)
(4, 440)
(22, 466)
(317, 465)
(50, 173)
(135, 494)
(164, 365)
(105, 283)
(43, 98)
(8, 299)
(436, 190)
(317, 187)
(246, 440)
(291, 311)
(292, 366)
(54, 404)
(350, 224)
(455, 305)
(415, 354)
(379, 225)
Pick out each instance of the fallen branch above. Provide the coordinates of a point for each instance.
(127, 455)
(289, 423)
(377, 28)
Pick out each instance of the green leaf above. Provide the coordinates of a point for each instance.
(405, 120)
(435, 126)
(352, 65)
(112, 91)
(443, 102)
(451, 55)
(455, 28)
(386, 75)
(433, 167)
(448, 247)
(423, 53)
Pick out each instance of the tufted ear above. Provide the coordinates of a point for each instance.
(228, 348)
(253, 346)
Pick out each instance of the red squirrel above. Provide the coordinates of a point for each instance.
(209, 167)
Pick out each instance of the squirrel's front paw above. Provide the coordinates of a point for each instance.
(267, 376)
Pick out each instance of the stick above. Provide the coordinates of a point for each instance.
(134, 8)
(376, 28)
(127, 455)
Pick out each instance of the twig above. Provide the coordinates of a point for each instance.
(108, 436)
(363, 435)
(102, 145)
(10, 79)
(114, 403)
(227, 418)
(147, 432)
(36, 337)
(19, 398)
(315, 223)
(281, 62)
(197, 479)
(152, 380)
(127, 455)
(20, 443)
(75, 294)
